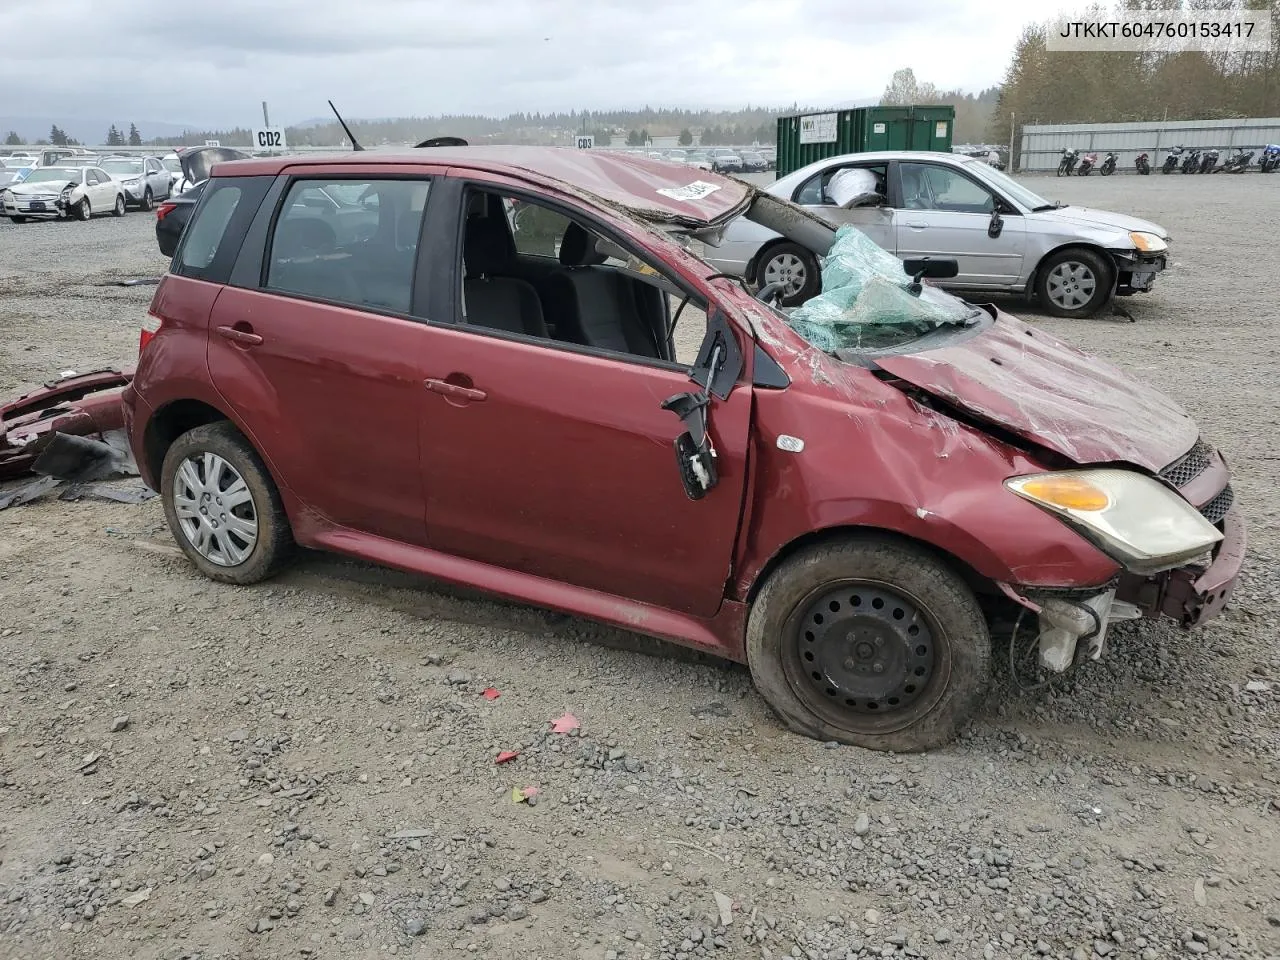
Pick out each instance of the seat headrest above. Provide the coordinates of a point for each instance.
(486, 247)
(303, 236)
(578, 248)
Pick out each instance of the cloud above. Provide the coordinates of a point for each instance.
(212, 63)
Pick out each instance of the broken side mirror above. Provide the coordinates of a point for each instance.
(996, 225)
(716, 370)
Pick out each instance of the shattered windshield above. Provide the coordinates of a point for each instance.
(866, 302)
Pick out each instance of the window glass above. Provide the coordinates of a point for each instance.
(929, 187)
(353, 241)
(204, 234)
(530, 269)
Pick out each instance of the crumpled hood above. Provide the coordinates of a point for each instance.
(1088, 217)
(1049, 393)
(40, 187)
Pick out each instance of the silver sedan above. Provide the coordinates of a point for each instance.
(1004, 236)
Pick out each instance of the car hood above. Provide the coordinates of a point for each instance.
(198, 161)
(40, 186)
(1088, 217)
(1051, 394)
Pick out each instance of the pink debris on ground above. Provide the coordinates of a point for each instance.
(506, 756)
(565, 724)
(491, 693)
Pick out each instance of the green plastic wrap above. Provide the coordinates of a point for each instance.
(866, 301)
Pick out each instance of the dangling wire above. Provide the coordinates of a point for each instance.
(1029, 653)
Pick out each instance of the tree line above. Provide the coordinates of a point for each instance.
(59, 138)
(1043, 87)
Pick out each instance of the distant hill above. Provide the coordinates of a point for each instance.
(88, 130)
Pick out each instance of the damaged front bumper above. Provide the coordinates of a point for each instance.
(1136, 272)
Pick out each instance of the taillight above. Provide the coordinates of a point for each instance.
(165, 209)
(148, 333)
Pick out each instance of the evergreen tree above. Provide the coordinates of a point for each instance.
(135, 138)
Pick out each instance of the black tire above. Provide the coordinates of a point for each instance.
(1059, 304)
(148, 202)
(82, 210)
(791, 259)
(118, 209)
(839, 702)
(1062, 169)
(274, 544)
(18, 219)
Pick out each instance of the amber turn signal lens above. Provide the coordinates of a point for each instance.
(1066, 492)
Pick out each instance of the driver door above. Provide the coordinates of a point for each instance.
(877, 222)
(945, 213)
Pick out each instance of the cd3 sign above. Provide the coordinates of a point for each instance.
(268, 138)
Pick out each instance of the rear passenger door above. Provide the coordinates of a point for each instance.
(320, 344)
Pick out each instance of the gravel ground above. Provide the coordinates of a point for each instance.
(307, 767)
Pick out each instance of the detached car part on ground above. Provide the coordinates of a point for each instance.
(1005, 237)
(851, 499)
(52, 193)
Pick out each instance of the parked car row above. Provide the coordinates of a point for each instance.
(82, 184)
(719, 159)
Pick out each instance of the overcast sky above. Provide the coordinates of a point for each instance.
(212, 63)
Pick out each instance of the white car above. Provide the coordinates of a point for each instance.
(698, 160)
(51, 193)
(145, 179)
(171, 163)
(1004, 237)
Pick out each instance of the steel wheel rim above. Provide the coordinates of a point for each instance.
(1071, 284)
(215, 509)
(787, 269)
(831, 655)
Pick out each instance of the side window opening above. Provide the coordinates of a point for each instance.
(930, 187)
(204, 236)
(350, 241)
(818, 190)
(530, 269)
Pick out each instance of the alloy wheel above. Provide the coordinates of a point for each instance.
(215, 509)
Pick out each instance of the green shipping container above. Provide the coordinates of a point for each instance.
(815, 136)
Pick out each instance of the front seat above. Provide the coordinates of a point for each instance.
(594, 305)
(488, 298)
(914, 196)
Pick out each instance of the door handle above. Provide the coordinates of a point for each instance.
(246, 337)
(447, 389)
(916, 224)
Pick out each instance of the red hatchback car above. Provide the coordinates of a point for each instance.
(508, 368)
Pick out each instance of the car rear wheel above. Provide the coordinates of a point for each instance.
(1074, 283)
(83, 210)
(147, 202)
(869, 641)
(794, 267)
(222, 506)
(118, 210)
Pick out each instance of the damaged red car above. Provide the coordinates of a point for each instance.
(509, 368)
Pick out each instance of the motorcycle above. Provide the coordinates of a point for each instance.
(1171, 161)
(1270, 159)
(1087, 164)
(1143, 165)
(1068, 162)
(1191, 162)
(1209, 161)
(1238, 162)
(1108, 165)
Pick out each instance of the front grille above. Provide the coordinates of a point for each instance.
(1189, 466)
(1219, 506)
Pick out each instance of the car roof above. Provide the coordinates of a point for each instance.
(654, 190)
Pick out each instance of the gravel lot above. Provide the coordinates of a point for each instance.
(307, 767)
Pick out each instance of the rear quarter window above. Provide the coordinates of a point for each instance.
(212, 239)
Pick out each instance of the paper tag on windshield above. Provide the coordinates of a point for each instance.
(694, 191)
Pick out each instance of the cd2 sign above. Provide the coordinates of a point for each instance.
(268, 138)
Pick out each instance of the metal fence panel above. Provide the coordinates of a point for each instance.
(1042, 144)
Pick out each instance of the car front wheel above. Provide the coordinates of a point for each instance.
(869, 641)
(1074, 283)
(147, 203)
(118, 209)
(223, 507)
(794, 267)
(83, 210)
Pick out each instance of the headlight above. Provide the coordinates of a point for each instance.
(133, 181)
(1148, 242)
(1132, 518)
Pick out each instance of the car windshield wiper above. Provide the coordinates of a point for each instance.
(1056, 205)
